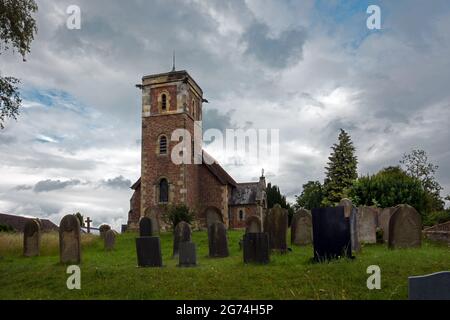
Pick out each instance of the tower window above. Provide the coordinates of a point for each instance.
(241, 215)
(164, 102)
(163, 191)
(163, 145)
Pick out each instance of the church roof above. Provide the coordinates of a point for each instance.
(18, 222)
(216, 169)
(244, 193)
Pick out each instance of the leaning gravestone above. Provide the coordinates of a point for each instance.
(256, 248)
(70, 240)
(182, 233)
(218, 242)
(405, 228)
(277, 225)
(331, 233)
(301, 228)
(188, 254)
(31, 238)
(383, 221)
(434, 286)
(253, 225)
(367, 225)
(352, 213)
(110, 239)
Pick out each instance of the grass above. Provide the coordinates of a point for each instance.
(114, 275)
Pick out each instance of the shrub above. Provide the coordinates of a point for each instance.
(6, 228)
(178, 213)
(437, 217)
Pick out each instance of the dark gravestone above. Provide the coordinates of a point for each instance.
(256, 248)
(124, 228)
(187, 255)
(145, 227)
(435, 286)
(110, 240)
(351, 212)
(31, 238)
(218, 242)
(253, 225)
(277, 225)
(301, 228)
(331, 233)
(182, 233)
(405, 228)
(148, 252)
(70, 240)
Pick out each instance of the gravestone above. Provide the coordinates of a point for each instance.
(182, 233)
(434, 286)
(188, 254)
(256, 248)
(331, 233)
(218, 242)
(110, 240)
(103, 229)
(405, 228)
(148, 252)
(153, 216)
(301, 228)
(145, 227)
(367, 225)
(253, 225)
(351, 212)
(124, 228)
(277, 225)
(383, 221)
(70, 240)
(31, 238)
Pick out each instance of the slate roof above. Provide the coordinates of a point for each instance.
(244, 193)
(18, 222)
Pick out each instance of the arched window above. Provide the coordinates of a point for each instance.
(164, 102)
(163, 191)
(163, 145)
(241, 215)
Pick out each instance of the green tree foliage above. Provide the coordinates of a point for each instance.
(311, 196)
(274, 196)
(178, 213)
(341, 169)
(17, 29)
(6, 228)
(418, 166)
(389, 187)
(80, 218)
(436, 217)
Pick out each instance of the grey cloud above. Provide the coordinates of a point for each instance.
(117, 183)
(277, 52)
(23, 187)
(214, 119)
(51, 185)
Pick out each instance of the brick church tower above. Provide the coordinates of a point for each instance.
(170, 102)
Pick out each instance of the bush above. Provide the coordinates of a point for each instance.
(435, 218)
(6, 228)
(178, 213)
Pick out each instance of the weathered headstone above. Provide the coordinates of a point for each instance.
(383, 221)
(352, 213)
(276, 226)
(70, 240)
(110, 240)
(182, 233)
(31, 238)
(218, 242)
(301, 228)
(103, 229)
(148, 252)
(253, 225)
(331, 233)
(434, 286)
(405, 228)
(188, 254)
(367, 225)
(256, 248)
(145, 227)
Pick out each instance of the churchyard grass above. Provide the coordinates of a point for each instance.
(114, 275)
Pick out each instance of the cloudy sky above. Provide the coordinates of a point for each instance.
(305, 67)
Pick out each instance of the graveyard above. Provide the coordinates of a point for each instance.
(113, 274)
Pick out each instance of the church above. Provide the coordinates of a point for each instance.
(173, 101)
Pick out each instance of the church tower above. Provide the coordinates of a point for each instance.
(170, 101)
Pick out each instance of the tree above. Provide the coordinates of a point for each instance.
(311, 196)
(178, 213)
(274, 196)
(418, 166)
(341, 170)
(17, 29)
(387, 188)
(80, 218)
